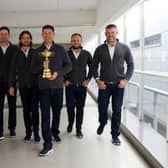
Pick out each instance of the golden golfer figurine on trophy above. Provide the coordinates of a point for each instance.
(46, 71)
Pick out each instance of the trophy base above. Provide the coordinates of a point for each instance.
(46, 74)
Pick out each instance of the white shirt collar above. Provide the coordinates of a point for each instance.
(111, 51)
(48, 47)
(76, 54)
(4, 48)
(26, 52)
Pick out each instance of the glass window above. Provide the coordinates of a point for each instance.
(102, 36)
(132, 40)
(120, 26)
(133, 34)
(156, 35)
(91, 44)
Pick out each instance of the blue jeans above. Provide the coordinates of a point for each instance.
(52, 97)
(103, 102)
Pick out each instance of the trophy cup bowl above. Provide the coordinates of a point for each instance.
(46, 71)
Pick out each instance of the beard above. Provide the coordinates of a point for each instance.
(75, 48)
(112, 40)
(25, 44)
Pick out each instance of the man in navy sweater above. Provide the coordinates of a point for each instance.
(76, 82)
(112, 79)
(50, 87)
(7, 51)
(28, 85)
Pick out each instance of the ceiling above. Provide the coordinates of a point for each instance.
(46, 5)
(68, 16)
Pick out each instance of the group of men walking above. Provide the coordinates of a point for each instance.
(40, 75)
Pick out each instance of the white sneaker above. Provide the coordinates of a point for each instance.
(1, 138)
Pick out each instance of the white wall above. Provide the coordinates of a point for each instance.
(63, 34)
(66, 22)
(57, 18)
(107, 9)
(111, 9)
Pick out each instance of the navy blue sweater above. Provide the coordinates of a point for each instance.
(5, 64)
(21, 69)
(79, 67)
(59, 63)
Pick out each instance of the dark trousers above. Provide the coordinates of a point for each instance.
(75, 98)
(50, 98)
(103, 102)
(30, 99)
(12, 108)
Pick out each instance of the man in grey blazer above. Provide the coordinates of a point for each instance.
(112, 79)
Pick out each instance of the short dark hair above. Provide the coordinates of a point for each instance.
(48, 27)
(111, 26)
(21, 34)
(76, 34)
(5, 28)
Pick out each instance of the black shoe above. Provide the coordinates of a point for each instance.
(12, 133)
(27, 138)
(57, 138)
(46, 151)
(79, 134)
(100, 129)
(69, 128)
(116, 141)
(36, 138)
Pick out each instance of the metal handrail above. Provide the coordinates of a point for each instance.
(160, 92)
(152, 73)
(156, 92)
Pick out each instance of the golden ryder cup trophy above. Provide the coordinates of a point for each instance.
(46, 71)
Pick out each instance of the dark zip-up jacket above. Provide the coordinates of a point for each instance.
(113, 70)
(79, 71)
(59, 62)
(5, 64)
(21, 69)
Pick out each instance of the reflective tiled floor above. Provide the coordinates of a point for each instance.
(92, 151)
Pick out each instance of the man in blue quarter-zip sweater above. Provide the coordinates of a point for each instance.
(50, 85)
(112, 79)
(76, 82)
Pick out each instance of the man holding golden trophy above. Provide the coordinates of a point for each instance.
(51, 63)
